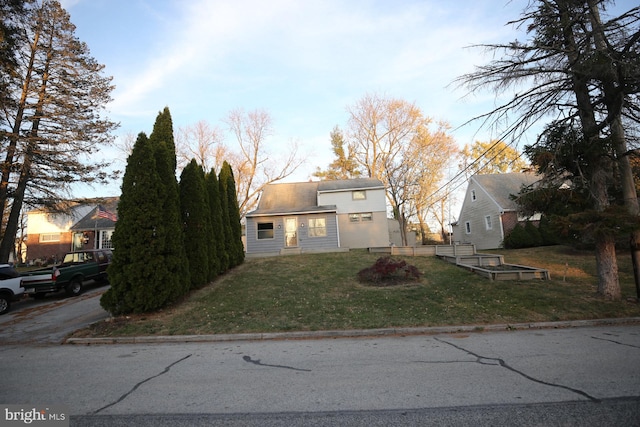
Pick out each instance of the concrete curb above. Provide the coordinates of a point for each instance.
(355, 333)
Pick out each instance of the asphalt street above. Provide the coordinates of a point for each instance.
(593, 372)
(553, 376)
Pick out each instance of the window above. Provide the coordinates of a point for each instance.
(105, 239)
(473, 195)
(364, 217)
(317, 227)
(467, 226)
(265, 230)
(487, 222)
(359, 195)
(50, 237)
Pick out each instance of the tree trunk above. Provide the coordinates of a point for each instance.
(635, 259)
(614, 100)
(608, 285)
(9, 239)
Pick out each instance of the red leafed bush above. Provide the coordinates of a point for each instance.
(388, 271)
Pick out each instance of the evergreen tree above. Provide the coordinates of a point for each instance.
(236, 248)
(226, 221)
(219, 261)
(163, 131)
(175, 257)
(196, 220)
(548, 234)
(138, 273)
(517, 238)
(52, 98)
(344, 165)
(534, 234)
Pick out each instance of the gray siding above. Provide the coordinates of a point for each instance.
(255, 245)
(364, 234)
(474, 212)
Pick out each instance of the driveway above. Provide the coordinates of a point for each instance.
(51, 319)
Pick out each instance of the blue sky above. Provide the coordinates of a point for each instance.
(304, 61)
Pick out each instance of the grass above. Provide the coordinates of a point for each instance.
(320, 292)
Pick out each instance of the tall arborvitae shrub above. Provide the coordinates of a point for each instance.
(175, 257)
(236, 248)
(226, 221)
(196, 222)
(219, 261)
(138, 272)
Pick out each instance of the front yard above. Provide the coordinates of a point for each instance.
(321, 292)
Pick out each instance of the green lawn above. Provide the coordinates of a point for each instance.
(320, 292)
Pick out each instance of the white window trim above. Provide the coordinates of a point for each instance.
(488, 222)
(361, 217)
(315, 227)
(50, 237)
(358, 195)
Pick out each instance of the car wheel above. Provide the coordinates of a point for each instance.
(74, 288)
(5, 303)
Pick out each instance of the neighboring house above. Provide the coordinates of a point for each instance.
(488, 212)
(318, 216)
(84, 224)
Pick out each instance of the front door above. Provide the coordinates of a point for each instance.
(290, 232)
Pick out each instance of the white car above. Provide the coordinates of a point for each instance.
(10, 289)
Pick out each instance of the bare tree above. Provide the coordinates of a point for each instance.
(393, 141)
(254, 165)
(436, 150)
(203, 143)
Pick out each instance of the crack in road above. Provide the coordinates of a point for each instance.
(615, 342)
(257, 362)
(135, 387)
(495, 361)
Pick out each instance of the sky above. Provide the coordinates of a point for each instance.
(303, 61)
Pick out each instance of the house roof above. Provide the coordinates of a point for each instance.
(349, 184)
(302, 197)
(296, 197)
(92, 220)
(501, 186)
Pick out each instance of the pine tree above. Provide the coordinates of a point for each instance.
(219, 260)
(52, 95)
(138, 271)
(196, 219)
(175, 257)
(236, 248)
